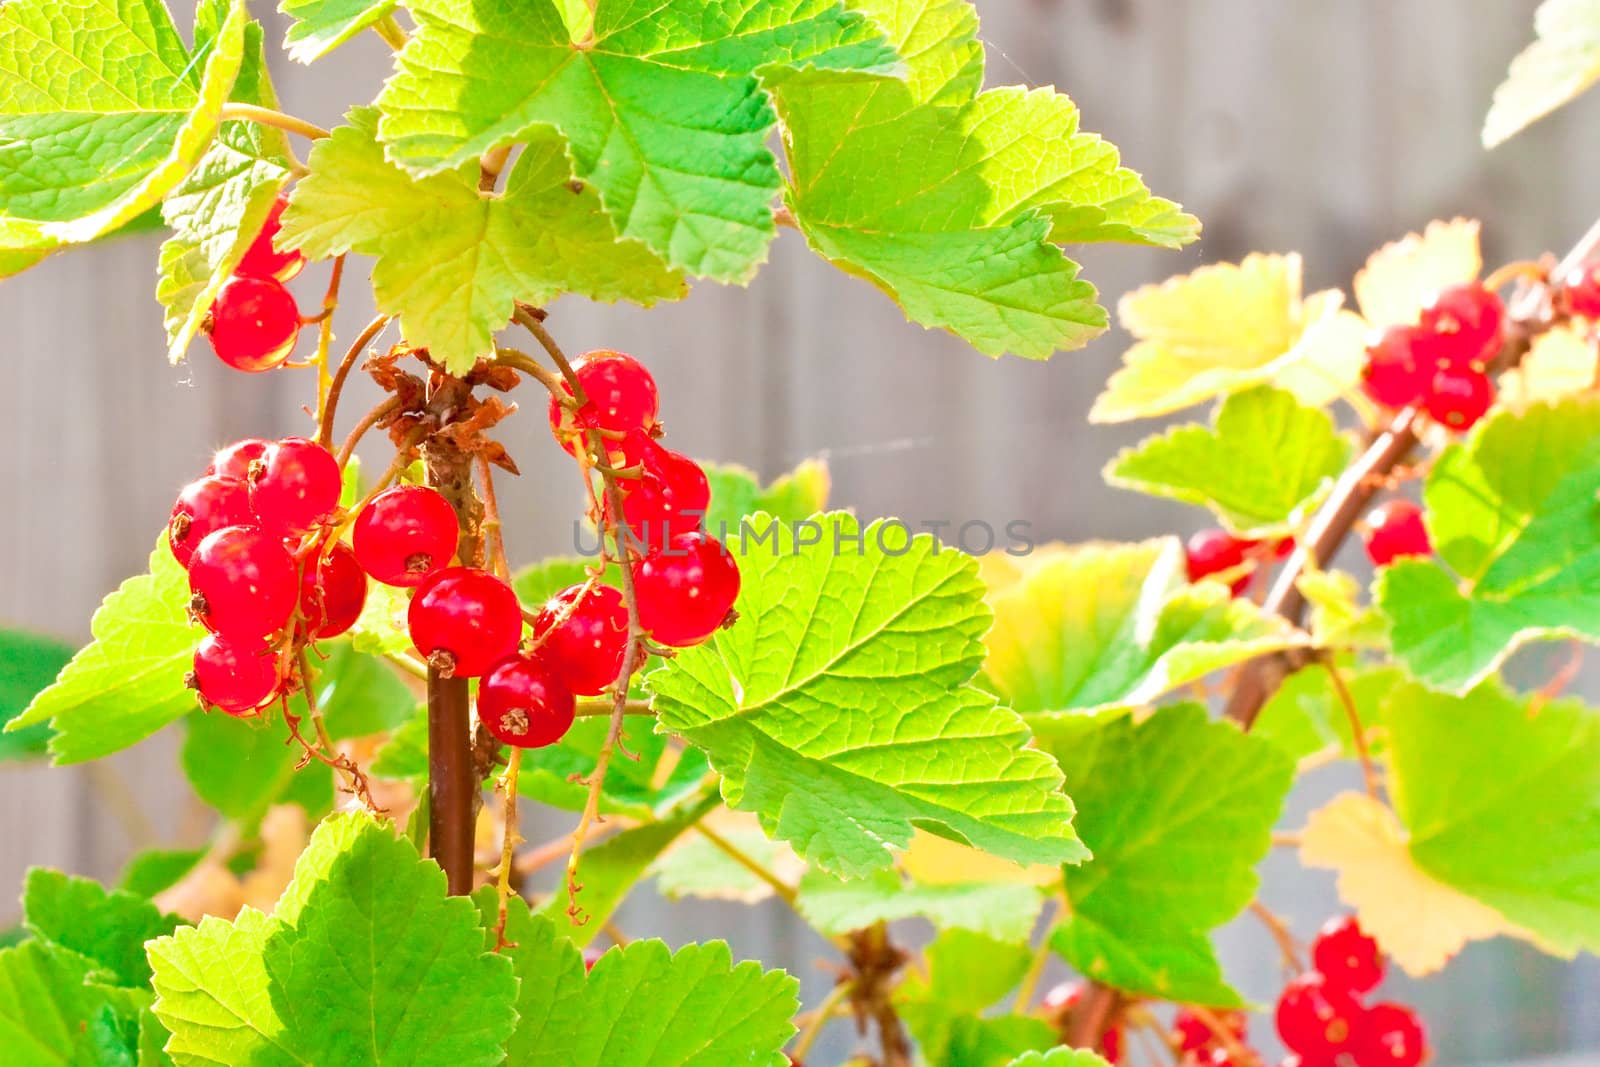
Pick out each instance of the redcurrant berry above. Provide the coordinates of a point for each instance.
(1214, 551)
(261, 259)
(237, 676)
(686, 590)
(333, 590)
(465, 621)
(1192, 1034)
(586, 647)
(523, 704)
(295, 487)
(1391, 1036)
(621, 398)
(1467, 318)
(1459, 397)
(405, 534)
(669, 497)
(1581, 289)
(1400, 366)
(204, 506)
(245, 583)
(233, 461)
(253, 323)
(1343, 954)
(1316, 1018)
(1395, 529)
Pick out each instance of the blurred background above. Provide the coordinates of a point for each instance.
(1296, 125)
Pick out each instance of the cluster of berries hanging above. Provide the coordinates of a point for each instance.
(1395, 529)
(1321, 1015)
(265, 575)
(1441, 362)
(254, 321)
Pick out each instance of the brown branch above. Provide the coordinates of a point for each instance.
(1093, 1014)
(1358, 733)
(330, 403)
(876, 961)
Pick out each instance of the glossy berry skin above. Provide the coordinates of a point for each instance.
(586, 648)
(203, 507)
(669, 497)
(333, 590)
(1391, 1036)
(296, 487)
(261, 260)
(233, 461)
(686, 590)
(245, 583)
(239, 677)
(469, 614)
(1395, 529)
(1459, 397)
(253, 324)
(1317, 1019)
(622, 398)
(1191, 1034)
(1581, 290)
(405, 534)
(1400, 367)
(1214, 551)
(523, 704)
(1343, 954)
(1467, 319)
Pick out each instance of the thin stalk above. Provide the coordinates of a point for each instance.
(785, 892)
(266, 116)
(512, 838)
(819, 1020)
(390, 31)
(329, 402)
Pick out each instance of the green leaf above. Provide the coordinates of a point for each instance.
(736, 494)
(107, 928)
(642, 1006)
(1555, 68)
(838, 708)
(358, 694)
(157, 869)
(239, 767)
(1502, 802)
(220, 208)
(1005, 911)
(1305, 715)
(550, 774)
(28, 663)
(365, 961)
(1265, 462)
(128, 682)
(451, 262)
(695, 867)
(105, 113)
(405, 754)
(381, 629)
(1060, 1057)
(1513, 513)
(52, 1013)
(320, 26)
(967, 973)
(610, 870)
(661, 108)
(1106, 625)
(938, 44)
(1178, 811)
(540, 581)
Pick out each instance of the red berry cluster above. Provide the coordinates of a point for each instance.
(1321, 1015)
(1395, 529)
(1580, 291)
(1216, 551)
(1441, 362)
(254, 321)
(265, 576)
(1195, 1037)
(684, 579)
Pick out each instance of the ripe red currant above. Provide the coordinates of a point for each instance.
(1192, 1034)
(253, 323)
(1400, 366)
(233, 461)
(1459, 397)
(586, 648)
(669, 497)
(1581, 289)
(622, 399)
(523, 704)
(686, 589)
(295, 487)
(465, 621)
(204, 506)
(245, 583)
(1344, 955)
(261, 259)
(405, 534)
(1214, 551)
(237, 676)
(1395, 529)
(1391, 1036)
(333, 590)
(1316, 1018)
(1467, 318)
